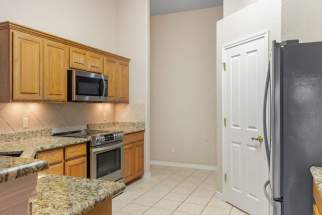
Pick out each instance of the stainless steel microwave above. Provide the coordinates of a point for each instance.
(87, 86)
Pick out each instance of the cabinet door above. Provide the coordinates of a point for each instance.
(78, 58)
(128, 163)
(76, 167)
(27, 67)
(124, 81)
(139, 159)
(55, 75)
(55, 169)
(95, 62)
(110, 70)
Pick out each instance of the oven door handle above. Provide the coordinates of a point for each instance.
(108, 148)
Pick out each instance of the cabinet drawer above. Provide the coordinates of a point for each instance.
(134, 137)
(75, 151)
(56, 169)
(52, 156)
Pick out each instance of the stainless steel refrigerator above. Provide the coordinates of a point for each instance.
(295, 125)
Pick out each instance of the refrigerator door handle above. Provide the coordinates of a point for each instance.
(267, 144)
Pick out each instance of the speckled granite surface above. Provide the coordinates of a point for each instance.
(31, 146)
(63, 195)
(126, 127)
(12, 168)
(30, 142)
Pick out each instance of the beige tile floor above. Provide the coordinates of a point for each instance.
(175, 191)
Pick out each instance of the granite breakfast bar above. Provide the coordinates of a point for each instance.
(64, 195)
(18, 180)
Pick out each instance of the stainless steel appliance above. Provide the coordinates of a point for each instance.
(296, 125)
(87, 86)
(105, 151)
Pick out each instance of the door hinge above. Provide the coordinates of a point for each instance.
(225, 122)
(224, 66)
(225, 177)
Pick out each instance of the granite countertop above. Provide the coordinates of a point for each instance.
(317, 176)
(64, 195)
(125, 127)
(12, 168)
(28, 143)
(29, 147)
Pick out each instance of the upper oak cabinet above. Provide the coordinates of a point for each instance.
(95, 62)
(124, 81)
(34, 64)
(27, 67)
(55, 71)
(78, 59)
(110, 70)
(118, 80)
(86, 60)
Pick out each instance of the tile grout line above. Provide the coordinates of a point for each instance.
(170, 192)
(189, 195)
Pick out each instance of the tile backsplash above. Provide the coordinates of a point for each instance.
(27, 116)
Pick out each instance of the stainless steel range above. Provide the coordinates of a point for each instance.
(105, 151)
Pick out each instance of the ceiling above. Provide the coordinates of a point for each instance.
(159, 7)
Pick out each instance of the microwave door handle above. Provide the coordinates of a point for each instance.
(102, 87)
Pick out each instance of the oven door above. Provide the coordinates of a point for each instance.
(88, 86)
(107, 162)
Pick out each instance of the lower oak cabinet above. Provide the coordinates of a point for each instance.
(69, 161)
(133, 156)
(317, 203)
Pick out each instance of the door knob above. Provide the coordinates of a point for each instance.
(259, 139)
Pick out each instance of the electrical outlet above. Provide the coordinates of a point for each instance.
(173, 150)
(25, 122)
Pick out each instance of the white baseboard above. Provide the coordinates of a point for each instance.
(184, 165)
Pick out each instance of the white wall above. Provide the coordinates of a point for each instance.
(262, 15)
(231, 6)
(183, 86)
(91, 22)
(133, 41)
(302, 20)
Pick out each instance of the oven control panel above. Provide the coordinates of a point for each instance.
(107, 138)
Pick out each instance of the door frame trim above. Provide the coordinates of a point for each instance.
(261, 34)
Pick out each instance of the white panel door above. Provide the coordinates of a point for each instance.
(244, 159)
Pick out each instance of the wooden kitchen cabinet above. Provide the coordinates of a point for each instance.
(95, 62)
(78, 59)
(55, 169)
(75, 161)
(55, 71)
(55, 159)
(133, 156)
(128, 162)
(76, 167)
(139, 158)
(123, 84)
(70, 160)
(317, 203)
(111, 70)
(34, 64)
(27, 67)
